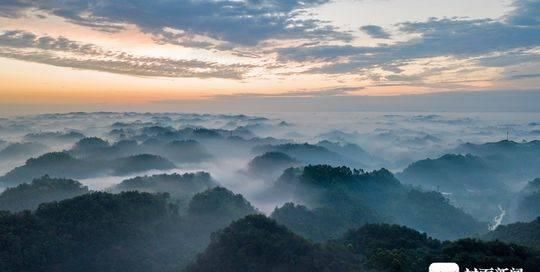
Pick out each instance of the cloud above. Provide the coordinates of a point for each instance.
(526, 13)
(13, 8)
(241, 22)
(455, 101)
(458, 39)
(509, 58)
(466, 37)
(250, 28)
(375, 32)
(63, 52)
(335, 91)
(22, 39)
(448, 37)
(322, 52)
(525, 76)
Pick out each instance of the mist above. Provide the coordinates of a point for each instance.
(333, 171)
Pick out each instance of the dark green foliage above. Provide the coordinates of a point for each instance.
(45, 189)
(326, 176)
(393, 248)
(214, 209)
(91, 143)
(130, 231)
(400, 249)
(94, 232)
(258, 244)
(475, 253)
(383, 197)
(142, 232)
(527, 234)
(219, 203)
(326, 222)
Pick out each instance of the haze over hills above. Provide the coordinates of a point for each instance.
(61, 164)
(527, 202)
(271, 164)
(356, 197)
(178, 186)
(160, 192)
(483, 179)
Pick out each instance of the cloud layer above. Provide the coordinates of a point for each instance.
(67, 53)
(240, 22)
(459, 38)
(283, 34)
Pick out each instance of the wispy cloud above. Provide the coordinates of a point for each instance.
(438, 37)
(13, 8)
(239, 22)
(335, 91)
(523, 76)
(60, 51)
(476, 39)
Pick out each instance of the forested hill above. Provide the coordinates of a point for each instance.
(256, 243)
(346, 198)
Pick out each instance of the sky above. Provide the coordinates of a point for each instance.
(58, 55)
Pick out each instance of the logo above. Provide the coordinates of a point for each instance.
(444, 267)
